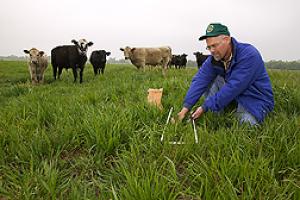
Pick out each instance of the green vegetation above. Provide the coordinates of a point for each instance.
(101, 140)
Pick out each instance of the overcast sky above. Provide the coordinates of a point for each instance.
(271, 26)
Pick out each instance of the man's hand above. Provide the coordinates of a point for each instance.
(181, 114)
(197, 113)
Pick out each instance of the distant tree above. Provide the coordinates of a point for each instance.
(116, 61)
(292, 65)
(191, 63)
(13, 58)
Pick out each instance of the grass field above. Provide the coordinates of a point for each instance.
(101, 140)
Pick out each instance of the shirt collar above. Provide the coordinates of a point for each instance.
(227, 63)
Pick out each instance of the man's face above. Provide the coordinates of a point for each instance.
(218, 46)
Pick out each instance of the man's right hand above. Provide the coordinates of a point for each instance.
(182, 113)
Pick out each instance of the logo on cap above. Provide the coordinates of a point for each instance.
(210, 28)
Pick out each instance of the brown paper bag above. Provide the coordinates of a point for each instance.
(154, 97)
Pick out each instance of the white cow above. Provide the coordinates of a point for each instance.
(148, 56)
(37, 65)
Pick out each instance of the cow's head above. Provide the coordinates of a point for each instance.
(175, 57)
(127, 52)
(102, 54)
(198, 54)
(184, 55)
(34, 55)
(82, 45)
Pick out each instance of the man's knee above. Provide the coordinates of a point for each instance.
(215, 86)
(245, 117)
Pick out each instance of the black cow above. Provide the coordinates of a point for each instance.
(200, 58)
(179, 61)
(98, 60)
(70, 56)
(173, 61)
(182, 61)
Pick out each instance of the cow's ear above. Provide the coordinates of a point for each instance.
(184, 55)
(74, 42)
(26, 51)
(121, 49)
(41, 53)
(133, 49)
(107, 53)
(90, 44)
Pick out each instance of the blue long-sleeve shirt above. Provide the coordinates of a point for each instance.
(246, 81)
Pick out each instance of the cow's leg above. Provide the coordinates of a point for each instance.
(95, 70)
(54, 67)
(33, 75)
(42, 78)
(102, 70)
(164, 72)
(38, 78)
(164, 68)
(81, 74)
(43, 74)
(59, 71)
(39, 71)
(34, 80)
(74, 73)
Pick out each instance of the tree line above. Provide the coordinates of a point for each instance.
(291, 65)
(273, 64)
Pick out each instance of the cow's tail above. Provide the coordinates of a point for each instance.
(53, 62)
(170, 55)
(53, 57)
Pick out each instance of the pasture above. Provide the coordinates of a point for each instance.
(101, 140)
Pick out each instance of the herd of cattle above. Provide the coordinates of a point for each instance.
(75, 56)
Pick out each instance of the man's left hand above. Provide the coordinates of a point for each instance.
(197, 113)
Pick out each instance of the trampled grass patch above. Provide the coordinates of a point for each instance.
(101, 140)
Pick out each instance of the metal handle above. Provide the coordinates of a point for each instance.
(167, 122)
(195, 131)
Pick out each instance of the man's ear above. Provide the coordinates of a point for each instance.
(227, 39)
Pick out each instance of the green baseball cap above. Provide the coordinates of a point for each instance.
(215, 29)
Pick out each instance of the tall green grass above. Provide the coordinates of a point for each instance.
(101, 140)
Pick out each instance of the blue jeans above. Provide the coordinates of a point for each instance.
(243, 115)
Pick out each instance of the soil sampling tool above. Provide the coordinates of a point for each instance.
(179, 142)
